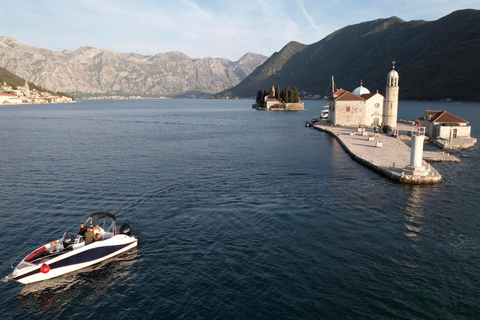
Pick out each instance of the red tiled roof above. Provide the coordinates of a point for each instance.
(444, 117)
(339, 92)
(7, 95)
(348, 96)
(447, 117)
(434, 113)
(367, 96)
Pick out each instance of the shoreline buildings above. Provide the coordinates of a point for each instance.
(23, 95)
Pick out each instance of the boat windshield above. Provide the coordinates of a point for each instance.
(106, 223)
(70, 238)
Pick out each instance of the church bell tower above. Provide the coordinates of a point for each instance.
(27, 89)
(390, 105)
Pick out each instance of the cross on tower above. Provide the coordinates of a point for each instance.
(393, 63)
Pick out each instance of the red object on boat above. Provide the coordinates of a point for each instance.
(36, 254)
(45, 268)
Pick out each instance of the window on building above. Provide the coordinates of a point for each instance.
(348, 109)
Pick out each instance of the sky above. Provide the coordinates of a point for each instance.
(199, 28)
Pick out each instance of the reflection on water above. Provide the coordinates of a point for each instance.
(86, 284)
(414, 212)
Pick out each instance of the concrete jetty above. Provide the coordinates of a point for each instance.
(432, 156)
(457, 143)
(382, 153)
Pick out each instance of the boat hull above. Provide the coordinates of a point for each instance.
(76, 259)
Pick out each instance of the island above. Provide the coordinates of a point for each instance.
(273, 99)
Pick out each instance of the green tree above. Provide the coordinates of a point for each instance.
(259, 97)
(295, 98)
(287, 95)
(277, 92)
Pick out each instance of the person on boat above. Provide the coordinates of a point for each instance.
(82, 230)
(89, 235)
(99, 232)
(55, 247)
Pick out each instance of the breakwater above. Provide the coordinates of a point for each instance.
(382, 153)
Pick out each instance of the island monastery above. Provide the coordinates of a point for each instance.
(362, 108)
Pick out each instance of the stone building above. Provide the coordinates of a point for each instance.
(447, 130)
(362, 108)
(270, 100)
(346, 109)
(444, 125)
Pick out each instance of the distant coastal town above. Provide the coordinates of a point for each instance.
(23, 95)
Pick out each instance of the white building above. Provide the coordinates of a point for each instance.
(362, 108)
(444, 125)
(10, 98)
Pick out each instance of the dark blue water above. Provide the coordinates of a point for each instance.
(239, 214)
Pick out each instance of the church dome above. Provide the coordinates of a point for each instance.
(360, 90)
(393, 73)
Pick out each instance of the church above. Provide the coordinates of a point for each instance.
(365, 109)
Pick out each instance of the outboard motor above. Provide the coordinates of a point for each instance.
(125, 229)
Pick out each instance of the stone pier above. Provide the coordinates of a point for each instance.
(382, 153)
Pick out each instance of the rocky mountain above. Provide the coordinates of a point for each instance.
(435, 60)
(14, 81)
(90, 71)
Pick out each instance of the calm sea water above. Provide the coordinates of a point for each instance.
(239, 213)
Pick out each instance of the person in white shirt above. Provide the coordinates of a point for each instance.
(98, 232)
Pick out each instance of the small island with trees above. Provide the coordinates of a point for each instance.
(275, 100)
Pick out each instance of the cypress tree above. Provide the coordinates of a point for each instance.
(259, 97)
(277, 92)
(287, 95)
(295, 98)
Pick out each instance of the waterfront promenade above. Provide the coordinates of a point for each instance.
(382, 153)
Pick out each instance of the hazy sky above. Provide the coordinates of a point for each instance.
(215, 28)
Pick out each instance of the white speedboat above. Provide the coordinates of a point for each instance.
(71, 253)
(324, 113)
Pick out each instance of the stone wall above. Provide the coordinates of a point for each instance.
(349, 113)
(445, 132)
(294, 106)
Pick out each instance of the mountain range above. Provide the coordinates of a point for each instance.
(90, 71)
(435, 60)
(10, 79)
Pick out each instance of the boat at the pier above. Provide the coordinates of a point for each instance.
(324, 113)
(71, 252)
